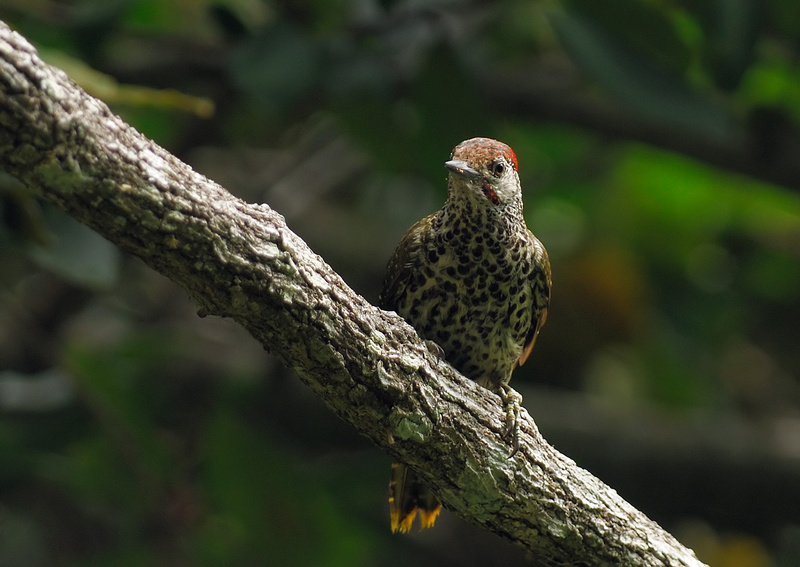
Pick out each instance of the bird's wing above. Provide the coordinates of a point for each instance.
(398, 272)
(541, 281)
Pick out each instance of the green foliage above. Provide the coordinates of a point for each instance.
(643, 27)
(276, 67)
(732, 28)
(259, 501)
(76, 253)
(639, 78)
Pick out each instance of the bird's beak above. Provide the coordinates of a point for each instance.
(462, 169)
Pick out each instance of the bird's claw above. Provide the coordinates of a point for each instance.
(434, 348)
(512, 401)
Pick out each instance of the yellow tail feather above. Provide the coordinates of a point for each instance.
(407, 496)
(428, 517)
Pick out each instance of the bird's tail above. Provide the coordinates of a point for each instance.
(407, 496)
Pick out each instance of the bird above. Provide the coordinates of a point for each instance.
(474, 280)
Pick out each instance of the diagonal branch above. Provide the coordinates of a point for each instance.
(241, 261)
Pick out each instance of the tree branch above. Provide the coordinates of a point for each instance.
(241, 261)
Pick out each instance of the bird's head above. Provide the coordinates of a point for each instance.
(485, 171)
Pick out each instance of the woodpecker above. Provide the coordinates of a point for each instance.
(473, 279)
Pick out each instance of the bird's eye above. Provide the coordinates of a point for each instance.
(498, 168)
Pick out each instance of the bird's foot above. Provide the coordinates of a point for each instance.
(512, 401)
(434, 348)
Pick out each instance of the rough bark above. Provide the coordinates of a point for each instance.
(240, 260)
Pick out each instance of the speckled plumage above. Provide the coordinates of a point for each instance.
(473, 279)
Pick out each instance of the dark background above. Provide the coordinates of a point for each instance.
(658, 149)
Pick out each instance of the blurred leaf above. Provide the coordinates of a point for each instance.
(675, 196)
(113, 384)
(770, 215)
(99, 14)
(21, 540)
(106, 88)
(355, 73)
(76, 252)
(773, 276)
(20, 212)
(773, 83)
(637, 80)
(262, 507)
(330, 15)
(523, 28)
(643, 26)
(15, 452)
(94, 476)
(674, 199)
(426, 124)
(450, 111)
(169, 17)
(277, 67)
(238, 19)
(731, 28)
(668, 199)
(233, 26)
(130, 554)
(95, 21)
(784, 17)
(721, 233)
(671, 380)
